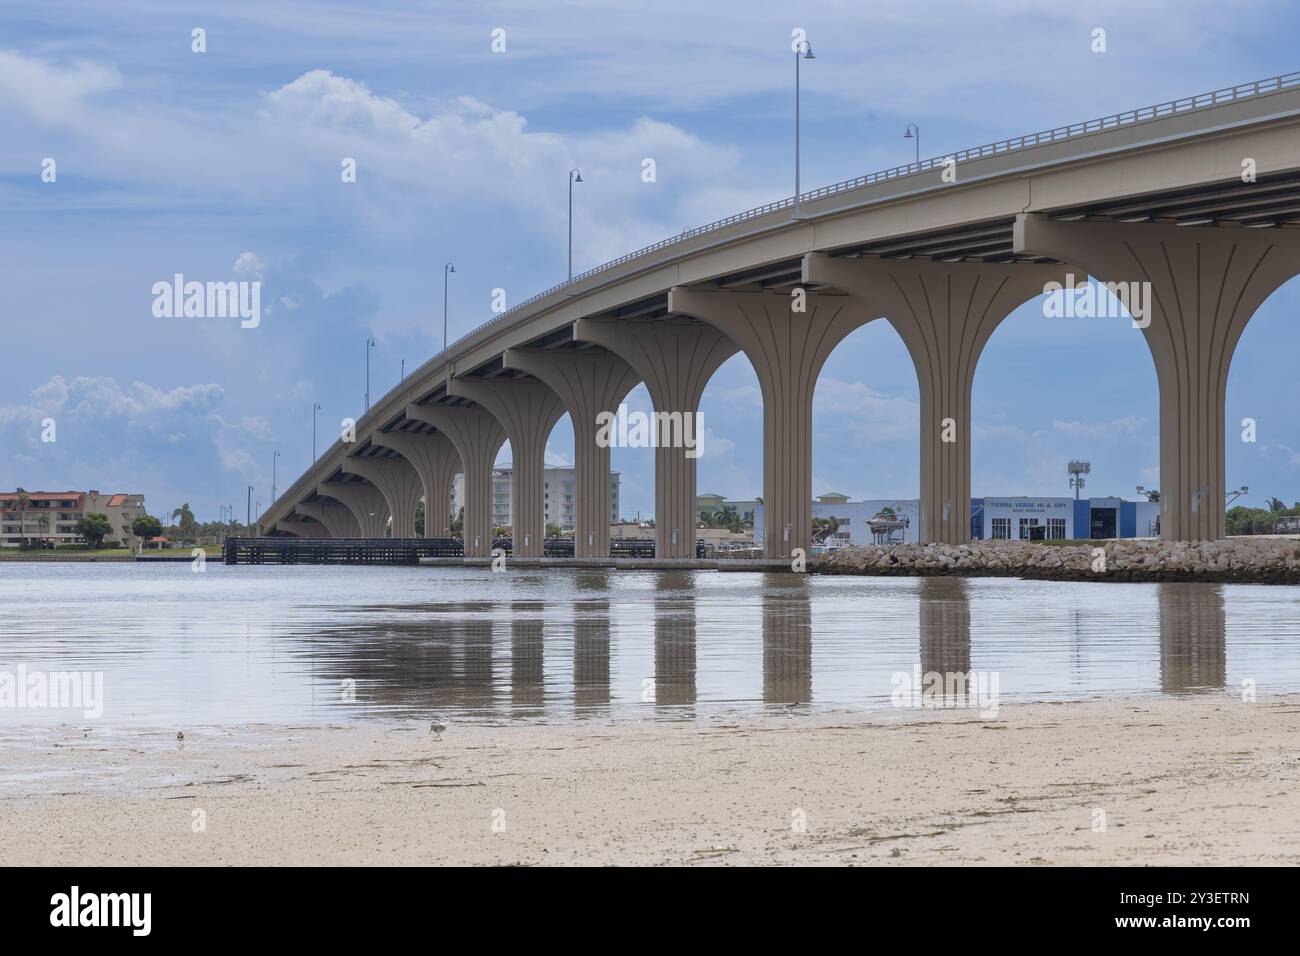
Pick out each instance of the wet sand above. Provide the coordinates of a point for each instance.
(1194, 780)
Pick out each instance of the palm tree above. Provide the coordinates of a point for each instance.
(184, 518)
(1276, 504)
(23, 498)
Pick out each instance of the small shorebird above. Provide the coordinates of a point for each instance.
(436, 729)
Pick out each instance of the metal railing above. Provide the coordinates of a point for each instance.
(1145, 114)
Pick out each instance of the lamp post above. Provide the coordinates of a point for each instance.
(315, 407)
(447, 270)
(802, 51)
(914, 132)
(248, 518)
(274, 458)
(370, 344)
(572, 180)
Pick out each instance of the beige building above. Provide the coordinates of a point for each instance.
(52, 516)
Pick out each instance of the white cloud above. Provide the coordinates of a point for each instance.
(1125, 427)
(257, 426)
(865, 410)
(53, 95)
(103, 398)
(248, 264)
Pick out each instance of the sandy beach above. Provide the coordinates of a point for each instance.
(1204, 779)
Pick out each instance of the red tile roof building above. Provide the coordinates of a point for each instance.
(53, 515)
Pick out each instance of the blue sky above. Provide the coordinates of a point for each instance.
(170, 161)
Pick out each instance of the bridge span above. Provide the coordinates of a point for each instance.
(1197, 199)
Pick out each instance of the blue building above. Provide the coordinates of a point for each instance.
(1011, 518)
(1056, 518)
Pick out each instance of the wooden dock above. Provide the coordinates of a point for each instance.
(409, 551)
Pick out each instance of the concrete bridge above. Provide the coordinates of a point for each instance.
(1198, 199)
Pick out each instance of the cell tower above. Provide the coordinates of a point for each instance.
(1076, 470)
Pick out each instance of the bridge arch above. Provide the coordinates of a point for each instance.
(1262, 431)
(1025, 427)
(1201, 285)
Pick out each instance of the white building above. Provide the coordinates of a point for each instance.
(855, 518)
(558, 496)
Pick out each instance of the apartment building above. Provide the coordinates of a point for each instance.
(52, 516)
(558, 496)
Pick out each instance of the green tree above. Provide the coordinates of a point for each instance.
(94, 528)
(184, 518)
(146, 528)
(23, 498)
(419, 520)
(458, 524)
(1276, 504)
(553, 530)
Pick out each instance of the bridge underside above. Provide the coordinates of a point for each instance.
(1210, 252)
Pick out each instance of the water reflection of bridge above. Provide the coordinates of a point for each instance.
(490, 657)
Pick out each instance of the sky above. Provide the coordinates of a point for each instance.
(226, 165)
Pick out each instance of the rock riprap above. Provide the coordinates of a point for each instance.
(1244, 559)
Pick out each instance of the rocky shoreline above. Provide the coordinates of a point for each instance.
(1234, 560)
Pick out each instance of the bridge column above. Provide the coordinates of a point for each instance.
(527, 412)
(1199, 286)
(675, 358)
(365, 501)
(787, 349)
(945, 313)
(398, 482)
(336, 518)
(435, 460)
(588, 383)
(477, 436)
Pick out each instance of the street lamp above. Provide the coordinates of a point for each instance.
(315, 407)
(447, 270)
(274, 458)
(1234, 495)
(572, 180)
(370, 344)
(914, 132)
(802, 51)
(248, 519)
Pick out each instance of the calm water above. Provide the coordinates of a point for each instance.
(322, 644)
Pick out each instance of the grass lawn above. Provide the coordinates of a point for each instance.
(211, 550)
